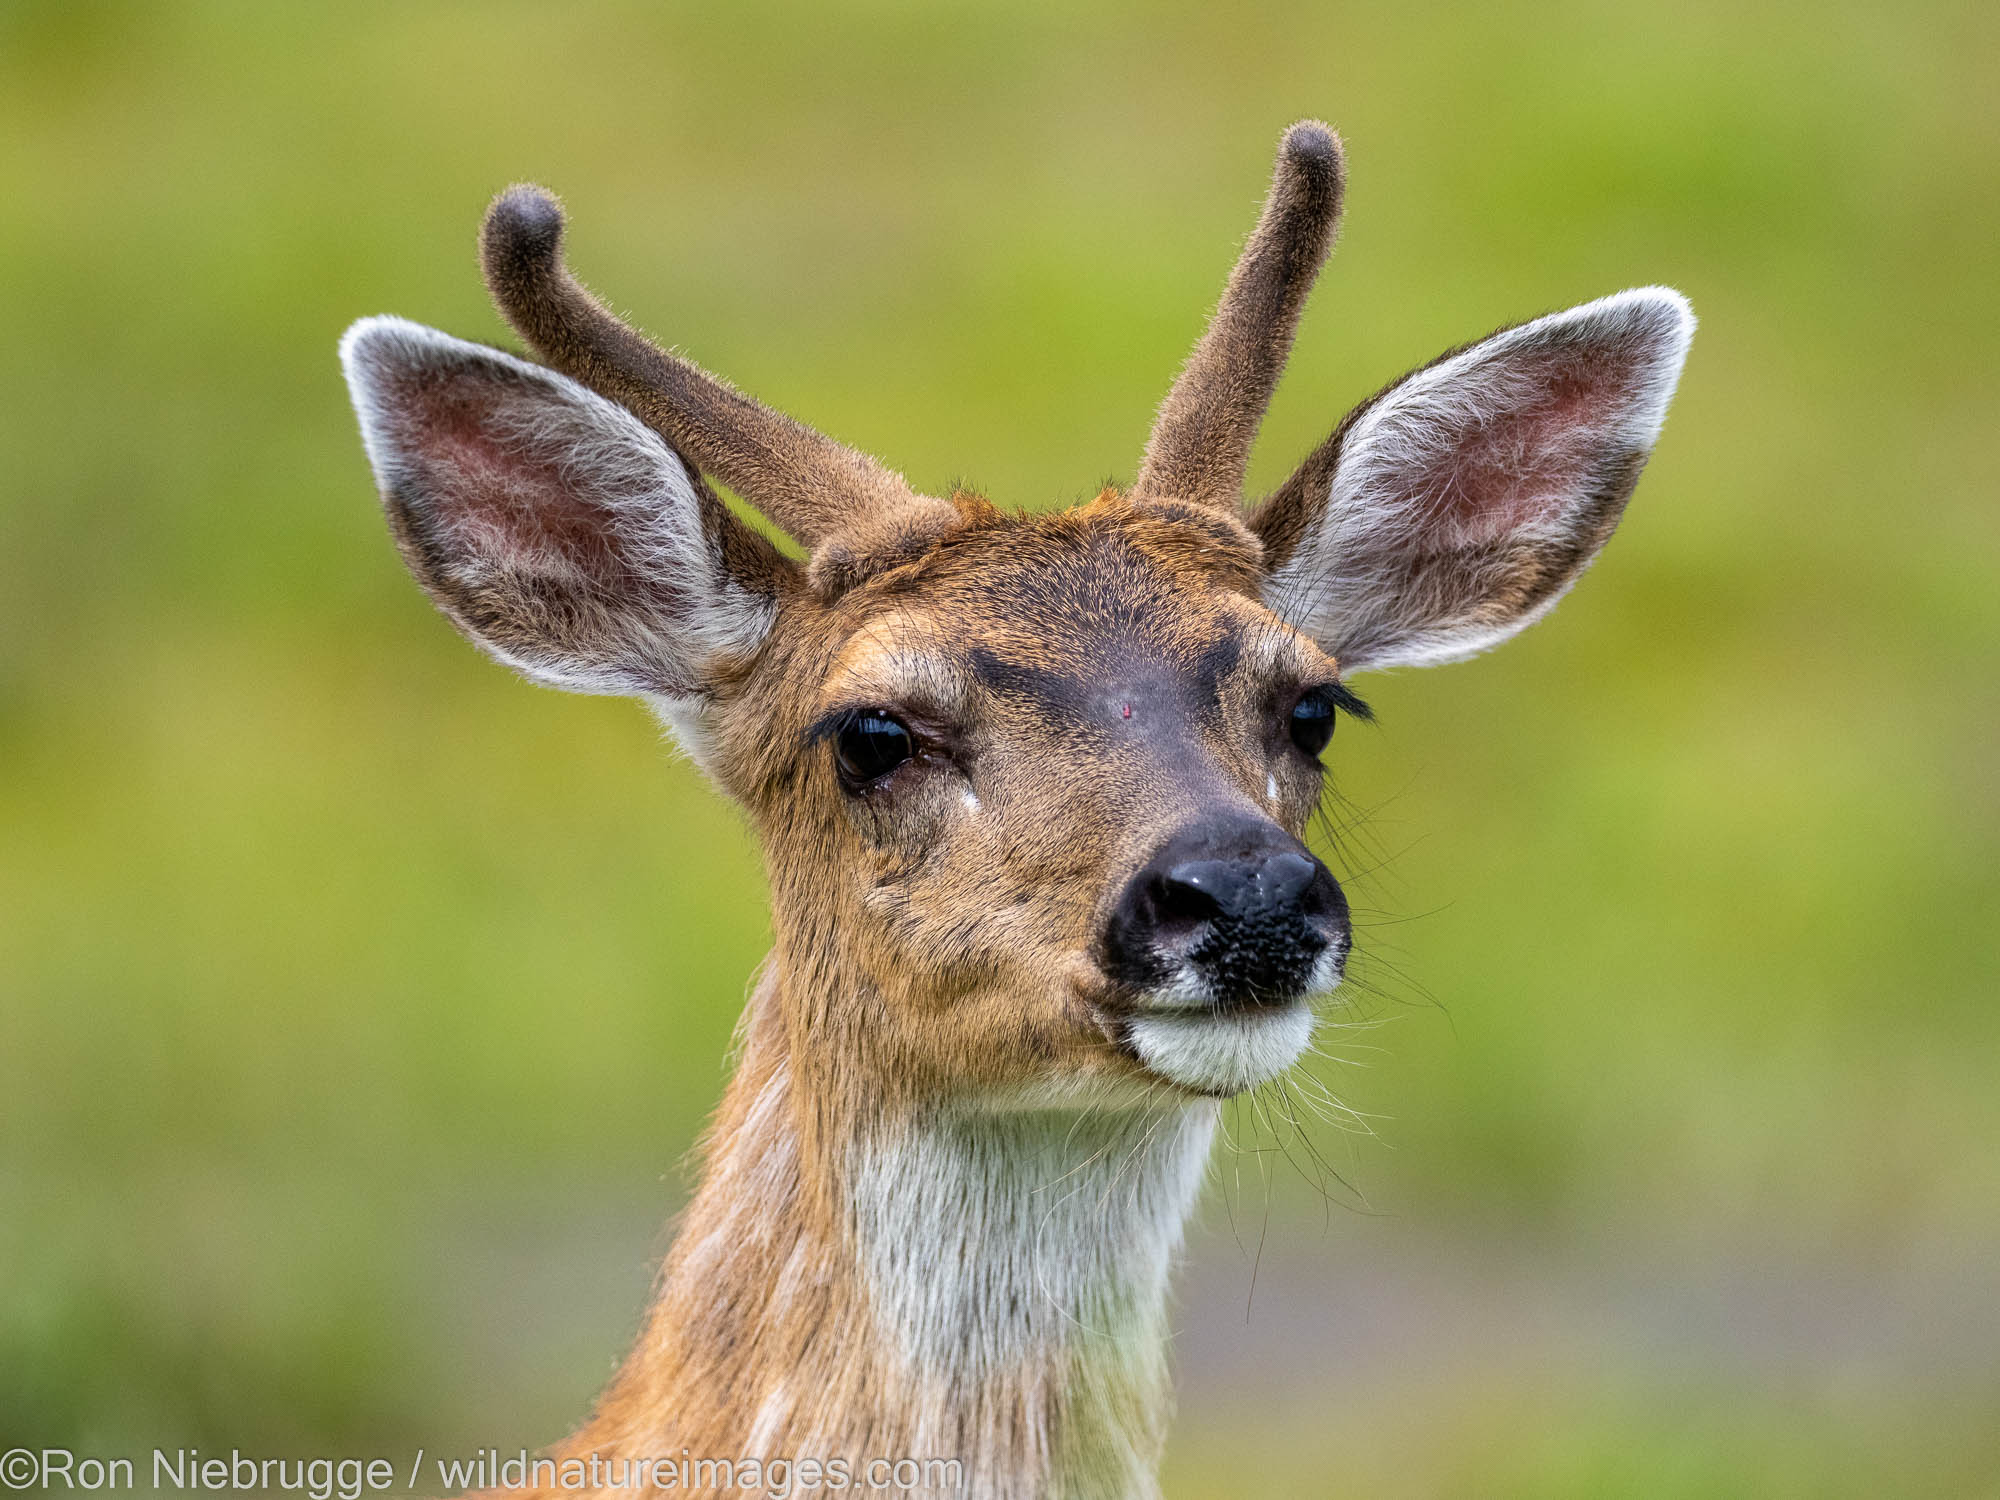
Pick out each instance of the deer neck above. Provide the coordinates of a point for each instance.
(982, 1285)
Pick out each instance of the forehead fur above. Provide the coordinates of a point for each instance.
(1148, 591)
(1099, 590)
(1093, 552)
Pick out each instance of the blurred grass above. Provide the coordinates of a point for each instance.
(355, 1001)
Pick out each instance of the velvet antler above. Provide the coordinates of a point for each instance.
(1200, 447)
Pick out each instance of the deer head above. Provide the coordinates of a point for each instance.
(1031, 787)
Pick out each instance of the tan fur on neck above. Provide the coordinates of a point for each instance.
(985, 1283)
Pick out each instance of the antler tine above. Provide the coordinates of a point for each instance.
(805, 482)
(1200, 447)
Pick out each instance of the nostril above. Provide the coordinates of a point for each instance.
(1204, 889)
(1286, 876)
(1190, 893)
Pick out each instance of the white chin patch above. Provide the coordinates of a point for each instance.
(1223, 1051)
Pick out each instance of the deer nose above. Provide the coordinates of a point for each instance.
(1230, 910)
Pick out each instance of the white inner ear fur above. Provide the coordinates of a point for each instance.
(1465, 453)
(549, 461)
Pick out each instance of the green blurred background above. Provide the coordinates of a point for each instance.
(357, 1002)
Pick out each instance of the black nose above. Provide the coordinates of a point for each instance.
(1232, 902)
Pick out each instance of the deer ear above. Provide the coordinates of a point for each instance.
(553, 528)
(1455, 508)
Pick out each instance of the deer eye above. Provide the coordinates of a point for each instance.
(1312, 722)
(869, 746)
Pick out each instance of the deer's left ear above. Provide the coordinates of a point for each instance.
(1454, 508)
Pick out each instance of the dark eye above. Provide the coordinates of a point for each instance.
(869, 746)
(1312, 722)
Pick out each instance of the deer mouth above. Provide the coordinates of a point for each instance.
(1214, 1042)
(1221, 1053)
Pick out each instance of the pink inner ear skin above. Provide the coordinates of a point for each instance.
(1521, 464)
(507, 499)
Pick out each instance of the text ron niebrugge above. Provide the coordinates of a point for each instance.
(349, 1478)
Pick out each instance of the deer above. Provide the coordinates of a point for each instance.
(1031, 789)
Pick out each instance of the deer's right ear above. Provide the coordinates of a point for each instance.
(553, 528)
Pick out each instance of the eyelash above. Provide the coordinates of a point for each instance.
(1347, 701)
